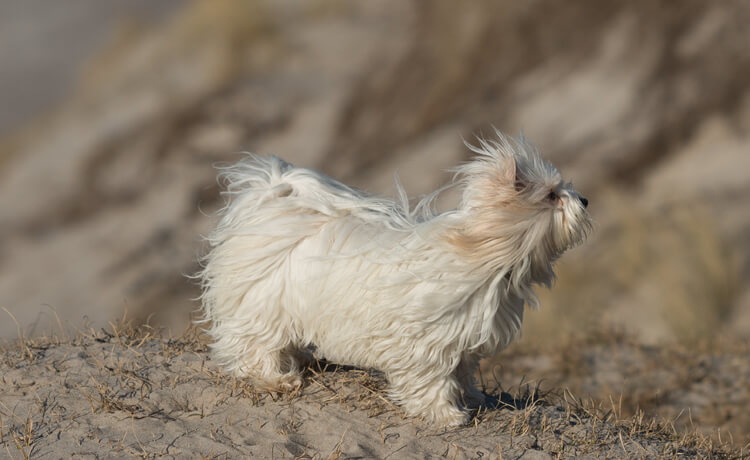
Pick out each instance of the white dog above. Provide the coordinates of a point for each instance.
(300, 259)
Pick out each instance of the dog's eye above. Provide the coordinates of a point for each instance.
(552, 196)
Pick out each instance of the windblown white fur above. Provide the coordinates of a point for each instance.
(300, 259)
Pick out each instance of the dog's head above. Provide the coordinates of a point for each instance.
(518, 209)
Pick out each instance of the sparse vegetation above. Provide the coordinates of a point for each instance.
(695, 388)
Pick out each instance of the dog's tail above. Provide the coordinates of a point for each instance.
(254, 181)
(260, 181)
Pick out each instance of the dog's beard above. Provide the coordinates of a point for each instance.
(569, 227)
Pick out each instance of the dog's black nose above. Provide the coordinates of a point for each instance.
(584, 201)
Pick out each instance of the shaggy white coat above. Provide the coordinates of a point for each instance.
(300, 259)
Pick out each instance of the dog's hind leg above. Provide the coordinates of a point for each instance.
(271, 369)
(266, 355)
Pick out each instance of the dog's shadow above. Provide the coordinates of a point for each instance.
(523, 397)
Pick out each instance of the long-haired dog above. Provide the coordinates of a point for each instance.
(301, 260)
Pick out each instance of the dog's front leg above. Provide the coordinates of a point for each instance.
(434, 397)
(473, 396)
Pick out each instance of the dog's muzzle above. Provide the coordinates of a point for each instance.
(584, 201)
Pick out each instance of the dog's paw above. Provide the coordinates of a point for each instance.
(289, 383)
(450, 416)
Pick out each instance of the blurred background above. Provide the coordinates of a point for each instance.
(113, 113)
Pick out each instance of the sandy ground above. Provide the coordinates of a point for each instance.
(116, 394)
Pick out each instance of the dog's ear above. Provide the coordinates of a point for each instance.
(510, 174)
(509, 170)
